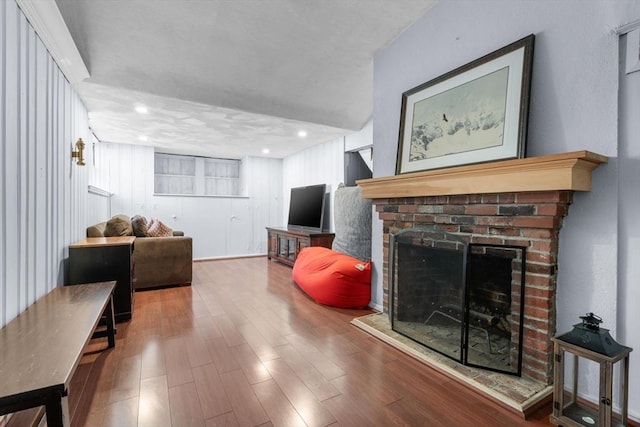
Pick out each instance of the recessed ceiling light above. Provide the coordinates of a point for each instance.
(265, 151)
(302, 133)
(142, 109)
(143, 138)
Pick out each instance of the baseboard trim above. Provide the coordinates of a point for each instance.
(217, 258)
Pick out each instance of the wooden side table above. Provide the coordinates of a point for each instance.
(568, 411)
(99, 259)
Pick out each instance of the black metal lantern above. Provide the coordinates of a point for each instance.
(589, 341)
(591, 336)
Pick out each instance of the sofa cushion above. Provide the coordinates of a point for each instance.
(96, 230)
(162, 261)
(139, 226)
(159, 229)
(352, 221)
(333, 278)
(119, 225)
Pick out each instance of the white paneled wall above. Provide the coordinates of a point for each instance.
(42, 194)
(220, 226)
(321, 164)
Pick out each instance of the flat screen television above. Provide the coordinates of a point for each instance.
(306, 206)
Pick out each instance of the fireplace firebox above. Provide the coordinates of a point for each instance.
(463, 300)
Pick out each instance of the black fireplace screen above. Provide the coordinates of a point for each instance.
(462, 300)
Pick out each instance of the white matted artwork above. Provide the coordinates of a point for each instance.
(473, 114)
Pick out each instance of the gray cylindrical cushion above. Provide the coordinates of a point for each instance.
(352, 220)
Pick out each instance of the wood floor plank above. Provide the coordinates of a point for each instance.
(252, 367)
(185, 406)
(153, 407)
(126, 383)
(310, 376)
(278, 407)
(206, 328)
(229, 331)
(210, 300)
(302, 399)
(375, 348)
(246, 406)
(123, 413)
(222, 355)
(225, 296)
(273, 336)
(322, 363)
(211, 391)
(258, 343)
(176, 325)
(225, 420)
(358, 383)
(94, 418)
(369, 375)
(97, 387)
(78, 383)
(197, 350)
(245, 346)
(176, 361)
(409, 411)
(152, 357)
(349, 413)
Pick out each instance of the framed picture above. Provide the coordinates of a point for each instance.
(475, 113)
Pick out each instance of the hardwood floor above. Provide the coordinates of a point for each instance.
(243, 346)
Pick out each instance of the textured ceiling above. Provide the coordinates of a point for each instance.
(230, 78)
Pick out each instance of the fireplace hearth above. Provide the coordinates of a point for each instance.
(509, 214)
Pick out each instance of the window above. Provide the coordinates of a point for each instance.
(221, 177)
(174, 174)
(199, 176)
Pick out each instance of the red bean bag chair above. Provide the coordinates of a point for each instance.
(333, 278)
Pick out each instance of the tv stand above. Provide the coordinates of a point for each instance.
(284, 244)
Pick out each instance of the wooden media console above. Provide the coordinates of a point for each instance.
(284, 244)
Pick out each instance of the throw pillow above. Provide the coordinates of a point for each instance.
(352, 221)
(119, 225)
(159, 229)
(139, 226)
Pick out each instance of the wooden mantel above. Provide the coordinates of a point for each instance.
(566, 171)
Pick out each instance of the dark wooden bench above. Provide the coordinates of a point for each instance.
(41, 348)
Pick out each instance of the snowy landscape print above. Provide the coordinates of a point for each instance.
(468, 117)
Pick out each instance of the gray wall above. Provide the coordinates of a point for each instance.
(628, 307)
(574, 106)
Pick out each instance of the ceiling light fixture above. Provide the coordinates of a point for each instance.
(265, 151)
(142, 109)
(302, 133)
(143, 138)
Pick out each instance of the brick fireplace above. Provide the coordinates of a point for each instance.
(528, 219)
(519, 202)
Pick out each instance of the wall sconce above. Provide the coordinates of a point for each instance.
(78, 153)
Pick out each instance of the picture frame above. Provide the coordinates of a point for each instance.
(476, 113)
